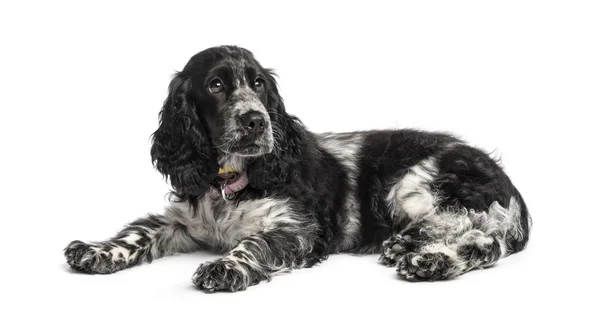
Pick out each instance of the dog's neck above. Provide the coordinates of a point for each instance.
(232, 163)
(232, 178)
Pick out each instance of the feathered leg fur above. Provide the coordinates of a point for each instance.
(141, 241)
(253, 260)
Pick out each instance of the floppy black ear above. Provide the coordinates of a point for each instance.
(181, 149)
(279, 166)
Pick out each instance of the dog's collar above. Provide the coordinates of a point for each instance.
(231, 184)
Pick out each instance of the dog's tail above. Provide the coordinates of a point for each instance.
(518, 240)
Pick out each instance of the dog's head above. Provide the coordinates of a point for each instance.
(222, 103)
(230, 95)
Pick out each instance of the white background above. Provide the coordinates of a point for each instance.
(81, 85)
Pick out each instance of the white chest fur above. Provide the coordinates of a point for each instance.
(221, 225)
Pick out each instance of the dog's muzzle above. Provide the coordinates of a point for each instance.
(254, 123)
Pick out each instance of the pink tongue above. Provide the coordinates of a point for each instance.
(238, 185)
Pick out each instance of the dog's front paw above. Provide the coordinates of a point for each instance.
(221, 275)
(93, 258)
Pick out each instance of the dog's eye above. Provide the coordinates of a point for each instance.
(215, 86)
(259, 84)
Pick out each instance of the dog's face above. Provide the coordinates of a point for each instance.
(230, 94)
(222, 103)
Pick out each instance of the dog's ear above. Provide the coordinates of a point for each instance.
(181, 149)
(279, 166)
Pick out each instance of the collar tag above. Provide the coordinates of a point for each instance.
(226, 197)
(230, 186)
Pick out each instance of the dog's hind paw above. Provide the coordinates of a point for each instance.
(426, 267)
(394, 248)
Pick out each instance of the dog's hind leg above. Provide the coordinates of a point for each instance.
(440, 248)
(448, 216)
(450, 242)
(141, 241)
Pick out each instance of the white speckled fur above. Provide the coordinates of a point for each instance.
(244, 101)
(223, 225)
(412, 196)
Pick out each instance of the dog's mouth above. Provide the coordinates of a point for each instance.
(253, 150)
(242, 145)
(247, 130)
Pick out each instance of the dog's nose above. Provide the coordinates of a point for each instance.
(254, 122)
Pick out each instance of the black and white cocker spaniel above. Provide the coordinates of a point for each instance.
(252, 182)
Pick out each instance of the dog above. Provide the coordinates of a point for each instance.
(251, 182)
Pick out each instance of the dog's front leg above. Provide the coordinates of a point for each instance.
(257, 258)
(143, 240)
